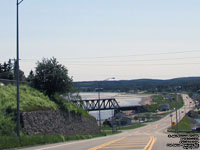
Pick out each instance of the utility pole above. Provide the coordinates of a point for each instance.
(176, 113)
(113, 121)
(17, 69)
(99, 110)
(99, 89)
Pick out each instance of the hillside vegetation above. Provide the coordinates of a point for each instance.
(30, 100)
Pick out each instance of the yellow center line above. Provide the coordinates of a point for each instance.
(106, 144)
(122, 143)
(151, 138)
(154, 140)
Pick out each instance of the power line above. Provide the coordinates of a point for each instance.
(148, 54)
(177, 64)
(161, 59)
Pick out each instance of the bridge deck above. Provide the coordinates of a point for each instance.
(105, 104)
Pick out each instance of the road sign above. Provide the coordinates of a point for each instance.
(170, 115)
(173, 123)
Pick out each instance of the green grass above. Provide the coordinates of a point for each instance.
(7, 142)
(133, 126)
(159, 100)
(183, 125)
(30, 100)
(69, 106)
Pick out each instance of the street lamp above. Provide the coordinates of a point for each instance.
(17, 68)
(100, 89)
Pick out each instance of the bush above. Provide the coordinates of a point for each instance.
(7, 126)
(69, 106)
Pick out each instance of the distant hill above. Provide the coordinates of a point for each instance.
(150, 85)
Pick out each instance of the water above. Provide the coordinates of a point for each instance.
(123, 99)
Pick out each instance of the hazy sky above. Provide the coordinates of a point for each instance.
(98, 39)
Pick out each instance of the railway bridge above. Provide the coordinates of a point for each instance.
(106, 104)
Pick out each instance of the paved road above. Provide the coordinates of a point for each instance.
(150, 137)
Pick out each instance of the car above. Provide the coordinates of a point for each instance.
(196, 129)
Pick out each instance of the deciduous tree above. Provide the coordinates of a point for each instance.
(51, 77)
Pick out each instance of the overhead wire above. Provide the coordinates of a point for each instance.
(133, 55)
(177, 64)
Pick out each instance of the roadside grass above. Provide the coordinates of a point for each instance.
(133, 126)
(183, 126)
(7, 142)
(108, 132)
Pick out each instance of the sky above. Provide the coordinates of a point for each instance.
(100, 39)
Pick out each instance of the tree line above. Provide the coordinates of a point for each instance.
(49, 76)
(8, 71)
(190, 84)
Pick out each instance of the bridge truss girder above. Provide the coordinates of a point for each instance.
(98, 104)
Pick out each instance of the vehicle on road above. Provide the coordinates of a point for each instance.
(196, 129)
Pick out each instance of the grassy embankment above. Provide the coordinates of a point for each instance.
(31, 100)
(183, 126)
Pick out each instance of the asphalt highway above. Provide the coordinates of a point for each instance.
(153, 136)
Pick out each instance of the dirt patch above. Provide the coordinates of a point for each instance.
(146, 100)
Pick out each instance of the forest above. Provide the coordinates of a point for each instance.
(189, 84)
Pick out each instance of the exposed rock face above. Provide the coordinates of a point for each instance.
(57, 123)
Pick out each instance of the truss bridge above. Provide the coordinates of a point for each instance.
(98, 104)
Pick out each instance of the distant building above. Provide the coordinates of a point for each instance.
(196, 96)
(119, 119)
(164, 107)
